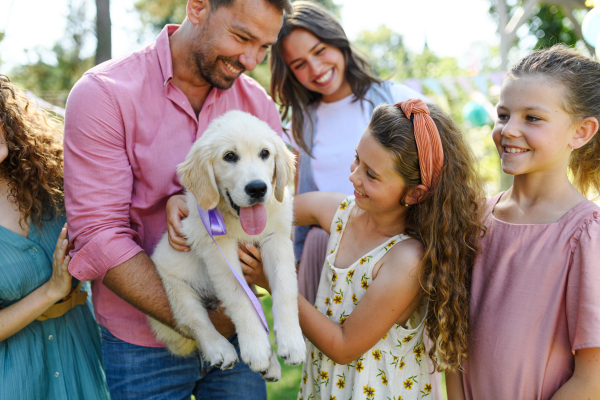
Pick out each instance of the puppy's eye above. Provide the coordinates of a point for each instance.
(264, 154)
(230, 156)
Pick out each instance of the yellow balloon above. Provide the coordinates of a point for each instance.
(589, 3)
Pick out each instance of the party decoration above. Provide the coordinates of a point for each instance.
(481, 83)
(414, 84)
(476, 114)
(591, 27)
(433, 85)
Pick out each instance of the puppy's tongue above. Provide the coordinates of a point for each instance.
(253, 219)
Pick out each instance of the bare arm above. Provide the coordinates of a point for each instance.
(316, 208)
(388, 299)
(137, 282)
(454, 385)
(584, 384)
(20, 314)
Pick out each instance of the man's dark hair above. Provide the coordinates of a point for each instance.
(285, 6)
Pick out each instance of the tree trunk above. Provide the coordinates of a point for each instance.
(103, 31)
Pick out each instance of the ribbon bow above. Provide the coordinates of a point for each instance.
(215, 226)
(427, 136)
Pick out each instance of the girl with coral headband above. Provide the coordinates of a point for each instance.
(399, 260)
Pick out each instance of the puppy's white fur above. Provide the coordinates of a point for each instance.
(193, 279)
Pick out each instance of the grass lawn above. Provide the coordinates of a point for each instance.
(287, 387)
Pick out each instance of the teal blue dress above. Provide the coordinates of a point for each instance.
(59, 358)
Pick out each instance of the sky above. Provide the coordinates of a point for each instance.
(451, 28)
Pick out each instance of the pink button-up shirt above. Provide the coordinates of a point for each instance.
(127, 127)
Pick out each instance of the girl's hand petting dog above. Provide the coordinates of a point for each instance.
(177, 210)
(252, 267)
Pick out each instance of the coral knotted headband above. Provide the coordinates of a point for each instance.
(427, 136)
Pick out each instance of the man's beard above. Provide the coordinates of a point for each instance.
(211, 72)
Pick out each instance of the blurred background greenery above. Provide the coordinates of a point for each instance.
(549, 22)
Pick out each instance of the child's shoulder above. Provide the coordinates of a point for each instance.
(588, 229)
(404, 255)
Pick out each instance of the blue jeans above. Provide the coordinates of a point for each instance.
(152, 373)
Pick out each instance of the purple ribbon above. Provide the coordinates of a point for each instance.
(215, 226)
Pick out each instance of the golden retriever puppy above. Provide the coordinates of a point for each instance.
(241, 167)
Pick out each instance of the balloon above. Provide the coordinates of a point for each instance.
(591, 26)
(475, 114)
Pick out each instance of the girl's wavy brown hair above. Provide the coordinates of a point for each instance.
(579, 77)
(447, 220)
(34, 165)
(285, 89)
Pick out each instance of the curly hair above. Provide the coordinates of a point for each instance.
(34, 165)
(448, 223)
(287, 91)
(579, 77)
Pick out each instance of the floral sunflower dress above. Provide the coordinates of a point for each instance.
(396, 367)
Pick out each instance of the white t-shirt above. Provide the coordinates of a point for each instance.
(339, 127)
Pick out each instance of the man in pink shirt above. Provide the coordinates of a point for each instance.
(129, 123)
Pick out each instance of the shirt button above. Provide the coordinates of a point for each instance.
(34, 249)
(56, 374)
(50, 337)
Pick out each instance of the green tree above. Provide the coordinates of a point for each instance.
(52, 74)
(550, 25)
(385, 51)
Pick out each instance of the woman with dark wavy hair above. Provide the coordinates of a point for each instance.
(49, 340)
(330, 92)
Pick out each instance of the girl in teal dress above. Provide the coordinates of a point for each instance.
(49, 340)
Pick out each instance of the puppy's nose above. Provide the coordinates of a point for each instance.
(256, 189)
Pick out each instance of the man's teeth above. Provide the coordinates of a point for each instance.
(514, 150)
(235, 71)
(325, 77)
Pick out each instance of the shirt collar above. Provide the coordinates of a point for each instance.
(163, 50)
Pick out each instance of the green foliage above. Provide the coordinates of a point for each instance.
(550, 25)
(52, 74)
(288, 386)
(385, 51)
(158, 13)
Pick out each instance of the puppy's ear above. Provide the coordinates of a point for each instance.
(197, 175)
(285, 167)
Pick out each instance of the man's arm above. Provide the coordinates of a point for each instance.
(137, 282)
(98, 194)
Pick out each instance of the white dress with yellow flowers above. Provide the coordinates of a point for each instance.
(396, 367)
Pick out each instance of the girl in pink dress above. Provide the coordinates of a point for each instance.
(535, 296)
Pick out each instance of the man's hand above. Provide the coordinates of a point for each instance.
(177, 210)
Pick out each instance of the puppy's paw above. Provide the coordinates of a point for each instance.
(220, 354)
(256, 352)
(273, 374)
(291, 348)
